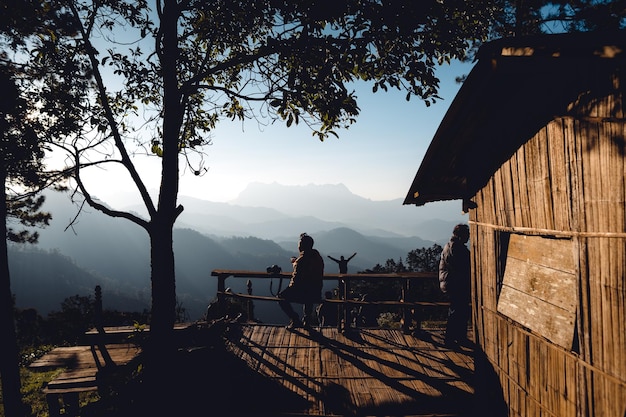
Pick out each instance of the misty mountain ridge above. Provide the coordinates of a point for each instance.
(274, 211)
(114, 253)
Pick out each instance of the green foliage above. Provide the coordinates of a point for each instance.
(138, 336)
(114, 79)
(531, 17)
(388, 320)
(38, 335)
(234, 61)
(30, 353)
(424, 259)
(231, 308)
(30, 328)
(74, 319)
(32, 382)
(417, 260)
(35, 334)
(420, 289)
(21, 176)
(33, 397)
(21, 161)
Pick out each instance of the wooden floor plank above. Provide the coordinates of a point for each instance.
(371, 370)
(83, 356)
(82, 364)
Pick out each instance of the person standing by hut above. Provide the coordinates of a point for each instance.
(306, 283)
(454, 280)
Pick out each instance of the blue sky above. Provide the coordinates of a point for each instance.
(376, 158)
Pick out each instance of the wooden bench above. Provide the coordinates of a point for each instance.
(87, 367)
(124, 334)
(82, 367)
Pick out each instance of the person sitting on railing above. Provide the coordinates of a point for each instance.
(306, 282)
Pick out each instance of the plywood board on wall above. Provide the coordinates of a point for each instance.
(539, 289)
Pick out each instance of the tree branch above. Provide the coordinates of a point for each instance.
(104, 209)
(119, 143)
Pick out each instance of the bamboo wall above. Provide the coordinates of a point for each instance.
(567, 182)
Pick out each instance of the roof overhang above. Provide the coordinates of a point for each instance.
(517, 86)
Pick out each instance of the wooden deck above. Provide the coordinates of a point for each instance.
(81, 364)
(362, 372)
(266, 370)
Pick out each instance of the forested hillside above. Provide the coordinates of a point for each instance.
(72, 258)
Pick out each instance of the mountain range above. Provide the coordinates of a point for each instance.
(258, 229)
(279, 212)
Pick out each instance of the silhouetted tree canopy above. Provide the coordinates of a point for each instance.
(424, 259)
(21, 162)
(112, 80)
(534, 17)
(22, 173)
(115, 79)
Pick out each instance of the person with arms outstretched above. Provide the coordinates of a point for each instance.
(343, 263)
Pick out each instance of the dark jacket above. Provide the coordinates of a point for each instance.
(307, 278)
(454, 270)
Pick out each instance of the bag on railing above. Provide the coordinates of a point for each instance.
(275, 270)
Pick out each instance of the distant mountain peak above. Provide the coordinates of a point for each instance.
(258, 191)
(335, 203)
(297, 200)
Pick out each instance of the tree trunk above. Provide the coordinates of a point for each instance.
(163, 287)
(9, 359)
(160, 351)
(162, 345)
(162, 223)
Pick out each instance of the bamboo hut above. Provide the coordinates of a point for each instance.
(534, 146)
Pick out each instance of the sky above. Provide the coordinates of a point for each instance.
(376, 158)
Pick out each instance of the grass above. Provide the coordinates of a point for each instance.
(33, 383)
(32, 395)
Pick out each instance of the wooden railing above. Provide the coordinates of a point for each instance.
(344, 301)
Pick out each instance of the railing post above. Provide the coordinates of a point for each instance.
(250, 305)
(345, 320)
(416, 312)
(97, 310)
(101, 335)
(221, 288)
(406, 314)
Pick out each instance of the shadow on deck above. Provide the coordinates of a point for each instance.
(242, 369)
(364, 372)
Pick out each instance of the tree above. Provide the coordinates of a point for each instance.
(535, 17)
(531, 17)
(118, 78)
(424, 259)
(9, 360)
(74, 319)
(20, 168)
(22, 174)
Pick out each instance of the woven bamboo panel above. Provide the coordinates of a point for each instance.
(568, 181)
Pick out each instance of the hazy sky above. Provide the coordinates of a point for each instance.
(376, 158)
